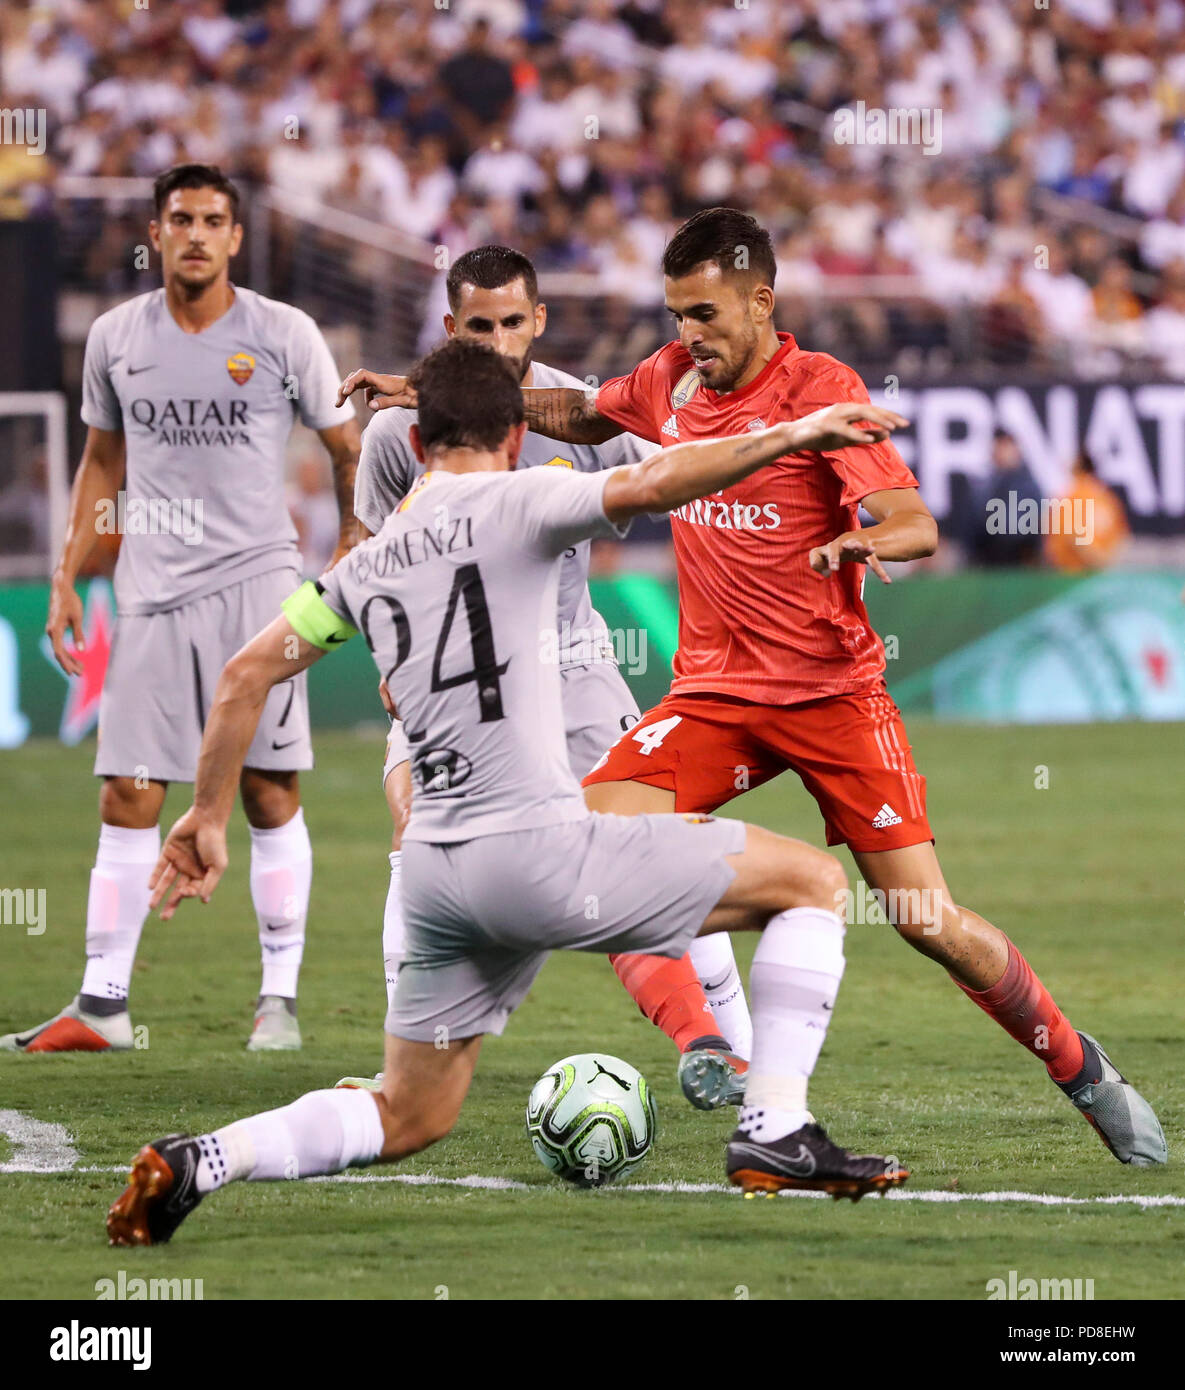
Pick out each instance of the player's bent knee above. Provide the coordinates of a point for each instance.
(270, 799)
(131, 803)
(831, 883)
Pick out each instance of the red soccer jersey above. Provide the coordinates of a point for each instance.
(754, 620)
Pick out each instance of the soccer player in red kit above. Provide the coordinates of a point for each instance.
(779, 669)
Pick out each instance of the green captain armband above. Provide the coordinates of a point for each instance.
(313, 619)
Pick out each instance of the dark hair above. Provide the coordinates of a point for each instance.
(469, 396)
(194, 176)
(732, 240)
(489, 268)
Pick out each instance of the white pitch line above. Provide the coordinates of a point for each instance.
(488, 1184)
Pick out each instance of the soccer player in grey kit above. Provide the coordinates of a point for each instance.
(503, 860)
(193, 389)
(493, 299)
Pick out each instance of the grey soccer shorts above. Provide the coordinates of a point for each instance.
(482, 914)
(598, 709)
(161, 678)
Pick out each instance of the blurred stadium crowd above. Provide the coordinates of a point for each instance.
(581, 130)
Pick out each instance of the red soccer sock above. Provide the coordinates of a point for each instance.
(1024, 1008)
(670, 995)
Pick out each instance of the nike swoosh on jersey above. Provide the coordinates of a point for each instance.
(135, 371)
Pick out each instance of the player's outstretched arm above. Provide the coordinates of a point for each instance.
(677, 475)
(193, 858)
(563, 412)
(97, 481)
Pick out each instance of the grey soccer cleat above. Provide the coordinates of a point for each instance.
(1123, 1119)
(711, 1077)
(75, 1029)
(276, 1028)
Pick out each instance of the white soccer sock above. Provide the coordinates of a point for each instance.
(281, 876)
(716, 967)
(322, 1132)
(393, 930)
(794, 981)
(116, 907)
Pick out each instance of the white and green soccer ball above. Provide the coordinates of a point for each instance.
(591, 1119)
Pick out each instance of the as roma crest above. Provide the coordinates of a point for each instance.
(240, 367)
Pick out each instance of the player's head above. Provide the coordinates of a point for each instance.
(196, 228)
(719, 268)
(469, 400)
(493, 298)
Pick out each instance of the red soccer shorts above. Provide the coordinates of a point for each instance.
(851, 751)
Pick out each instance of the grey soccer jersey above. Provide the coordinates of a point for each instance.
(206, 417)
(388, 468)
(455, 596)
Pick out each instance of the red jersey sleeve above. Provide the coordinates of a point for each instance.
(865, 469)
(637, 401)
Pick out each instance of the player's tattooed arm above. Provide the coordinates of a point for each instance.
(905, 530)
(194, 857)
(343, 443)
(568, 414)
(671, 477)
(96, 487)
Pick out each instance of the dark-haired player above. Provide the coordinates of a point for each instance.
(503, 861)
(493, 298)
(190, 393)
(778, 667)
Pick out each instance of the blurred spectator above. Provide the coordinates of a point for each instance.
(993, 535)
(1164, 326)
(478, 81)
(1062, 298)
(1098, 523)
(1117, 311)
(1013, 328)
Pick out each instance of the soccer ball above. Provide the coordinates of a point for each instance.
(591, 1119)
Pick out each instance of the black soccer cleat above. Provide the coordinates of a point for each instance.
(161, 1192)
(808, 1160)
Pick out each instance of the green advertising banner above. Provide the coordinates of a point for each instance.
(1011, 647)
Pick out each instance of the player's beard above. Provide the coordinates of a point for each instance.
(727, 373)
(196, 281)
(523, 363)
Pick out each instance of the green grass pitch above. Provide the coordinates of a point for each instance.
(1080, 873)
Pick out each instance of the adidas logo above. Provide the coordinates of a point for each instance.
(885, 817)
(671, 427)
